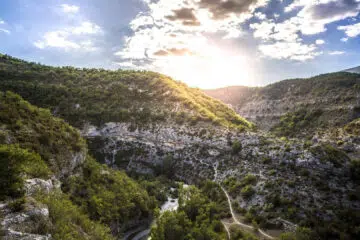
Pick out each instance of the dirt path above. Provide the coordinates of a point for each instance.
(236, 221)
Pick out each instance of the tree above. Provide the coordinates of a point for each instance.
(236, 147)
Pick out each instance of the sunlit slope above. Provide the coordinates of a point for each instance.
(100, 96)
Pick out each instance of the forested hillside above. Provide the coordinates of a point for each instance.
(99, 96)
(47, 178)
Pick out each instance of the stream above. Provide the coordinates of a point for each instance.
(171, 204)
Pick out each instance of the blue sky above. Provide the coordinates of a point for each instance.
(205, 43)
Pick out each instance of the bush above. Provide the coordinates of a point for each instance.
(17, 205)
(247, 192)
(15, 164)
(327, 153)
(69, 222)
(236, 147)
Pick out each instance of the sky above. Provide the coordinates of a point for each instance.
(204, 43)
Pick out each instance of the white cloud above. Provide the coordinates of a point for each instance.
(176, 29)
(5, 30)
(351, 30)
(289, 50)
(66, 8)
(315, 15)
(264, 29)
(86, 28)
(336, 53)
(311, 18)
(282, 40)
(319, 42)
(344, 39)
(57, 39)
(73, 38)
(260, 15)
(296, 4)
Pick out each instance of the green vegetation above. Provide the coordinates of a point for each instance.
(108, 195)
(236, 147)
(353, 127)
(327, 153)
(237, 234)
(247, 192)
(34, 144)
(37, 130)
(197, 218)
(306, 101)
(15, 165)
(300, 234)
(294, 123)
(69, 222)
(100, 96)
(243, 186)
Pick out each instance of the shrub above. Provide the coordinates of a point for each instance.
(236, 147)
(15, 164)
(69, 222)
(247, 192)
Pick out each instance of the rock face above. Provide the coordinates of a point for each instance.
(336, 95)
(19, 224)
(193, 154)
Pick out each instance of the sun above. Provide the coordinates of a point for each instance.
(214, 70)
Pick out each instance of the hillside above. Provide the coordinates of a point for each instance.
(296, 106)
(353, 70)
(99, 96)
(49, 186)
(291, 188)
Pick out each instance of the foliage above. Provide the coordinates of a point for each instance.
(236, 147)
(37, 130)
(34, 144)
(328, 153)
(197, 218)
(248, 191)
(301, 233)
(68, 222)
(108, 195)
(243, 186)
(101, 96)
(294, 122)
(237, 234)
(15, 165)
(353, 127)
(214, 192)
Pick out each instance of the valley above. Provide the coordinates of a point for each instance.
(279, 162)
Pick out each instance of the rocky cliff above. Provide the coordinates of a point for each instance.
(321, 102)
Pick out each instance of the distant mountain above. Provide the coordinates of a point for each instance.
(353, 70)
(297, 106)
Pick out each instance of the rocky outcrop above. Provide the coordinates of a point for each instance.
(25, 218)
(22, 224)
